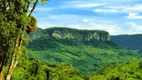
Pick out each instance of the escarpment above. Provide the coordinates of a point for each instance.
(55, 37)
(78, 35)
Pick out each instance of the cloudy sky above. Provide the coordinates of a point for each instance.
(115, 16)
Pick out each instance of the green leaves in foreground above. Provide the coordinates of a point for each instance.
(30, 69)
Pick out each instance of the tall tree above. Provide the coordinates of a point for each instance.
(15, 23)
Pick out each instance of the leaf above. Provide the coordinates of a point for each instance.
(43, 1)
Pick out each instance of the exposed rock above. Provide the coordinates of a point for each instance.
(55, 37)
(78, 35)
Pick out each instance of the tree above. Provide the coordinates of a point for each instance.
(15, 23)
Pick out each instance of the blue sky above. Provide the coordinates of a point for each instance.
(115, 16)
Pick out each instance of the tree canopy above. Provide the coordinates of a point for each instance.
(16, 21)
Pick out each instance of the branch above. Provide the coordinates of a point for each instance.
(28, 5)
(33, 8)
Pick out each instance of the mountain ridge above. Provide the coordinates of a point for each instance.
(62, 29)
(53, 37)
(132, 42)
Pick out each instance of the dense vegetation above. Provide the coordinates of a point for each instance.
(32, 69)
(16, 21)
(44, 39)
(130, 71)
(58, 64)
(87, 57)
(48, 58)
(132, 42)
(74, 56)
(71, 34)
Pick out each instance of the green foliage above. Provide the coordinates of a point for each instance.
(129, 71)
(44, 39)
(55, 64)
(31, 69)
(85, 58)
(13, 20)
(32, 24)
(43, 1)
(64, 72)
(15, 23)
(25, 41)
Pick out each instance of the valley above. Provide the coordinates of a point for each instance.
(87, 51)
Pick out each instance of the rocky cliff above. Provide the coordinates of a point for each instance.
(78, 35)
(53, 37)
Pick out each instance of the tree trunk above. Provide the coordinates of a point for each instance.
(9, 75)
(1, 76)
(33, 8)
(10, 70)
(15, 58)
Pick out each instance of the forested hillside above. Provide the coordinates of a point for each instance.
(86, 56)
(60, 53)
(130, 71)
(132, 42)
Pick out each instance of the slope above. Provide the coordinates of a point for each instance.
(85, 50)
(132, 42)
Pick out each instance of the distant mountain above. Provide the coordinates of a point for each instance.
(86, 50)
(53, 37)
(133, 42)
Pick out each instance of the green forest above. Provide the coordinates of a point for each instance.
(81, 60)
(132, 42)
(79, 63)
(58, 53)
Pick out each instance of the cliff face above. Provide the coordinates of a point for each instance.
(78, 35)
(55, 37)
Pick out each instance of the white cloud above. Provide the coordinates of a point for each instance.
(111, 8)
(45, 24)
(81, 4)
(105, 10)
(134, 28)
(89, 5)
(116, 7)
(92, 24)
(79, 22)
(44, 9)
(64, 16)
(114, 25)
(113, 29)
(135, 8)
(132, 15)
(59, 20)
(85, 20)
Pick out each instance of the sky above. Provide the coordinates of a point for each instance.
(115, 16)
